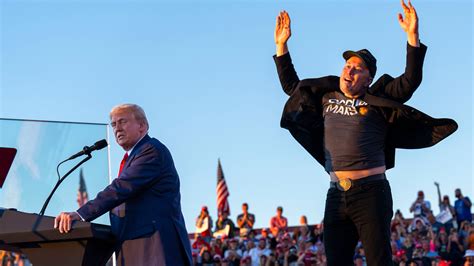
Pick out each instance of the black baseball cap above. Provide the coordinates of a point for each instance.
(366, 56)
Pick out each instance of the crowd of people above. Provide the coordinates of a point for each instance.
(446, 238)
(423, 239)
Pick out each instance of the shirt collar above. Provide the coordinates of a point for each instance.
(130, 151)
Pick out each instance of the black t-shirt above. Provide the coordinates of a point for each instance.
(354, 133)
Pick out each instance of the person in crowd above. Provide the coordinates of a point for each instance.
(258, 251)
(245, 221)
(206, 258)
(303, 232)
(199, 244)
(233, 254)
(204, 224)
(395, 242)
(463, 232)
(463, 207)
(421, 207)
(470, 239)
(307, 254)
(263, 233)
(442, 244)
(455, 248)
(224, 226)
(447, 211)
(278, 223)
(248, 246)
(469, 257)
(216, 247)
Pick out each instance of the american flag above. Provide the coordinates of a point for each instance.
(222, 191)
(82, 196)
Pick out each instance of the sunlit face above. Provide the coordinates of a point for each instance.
(303, 220)
(245, 208)
(279, 212)
(127, 129)
(355, 78)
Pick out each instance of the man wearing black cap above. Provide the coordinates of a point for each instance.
(352, 130)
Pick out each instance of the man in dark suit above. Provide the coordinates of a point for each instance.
(352, 129)
(144, 200)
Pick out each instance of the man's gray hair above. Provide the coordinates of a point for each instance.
(135, 109)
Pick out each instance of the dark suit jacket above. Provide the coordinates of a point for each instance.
(407, 127)
(149, 187)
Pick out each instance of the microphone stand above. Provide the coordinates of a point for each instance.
(61, 180)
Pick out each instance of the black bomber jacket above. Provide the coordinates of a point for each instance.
(408, 128)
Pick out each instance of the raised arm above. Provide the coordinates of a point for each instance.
(439, 194)
(286, 72)
(409, 23)
(402, 88)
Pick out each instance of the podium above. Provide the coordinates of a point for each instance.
(35, 236)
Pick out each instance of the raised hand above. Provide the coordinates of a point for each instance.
(409, 23)
(282, 28)
(282, 32)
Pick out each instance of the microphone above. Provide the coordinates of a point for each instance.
(87, 150)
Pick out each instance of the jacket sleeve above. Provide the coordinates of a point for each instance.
(143, 172)
(402, 88)
(286, 72)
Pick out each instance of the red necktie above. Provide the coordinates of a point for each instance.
(120, 210)
(122, 163)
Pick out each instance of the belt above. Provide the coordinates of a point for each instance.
(346, 184)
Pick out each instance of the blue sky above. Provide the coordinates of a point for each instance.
(203, 71)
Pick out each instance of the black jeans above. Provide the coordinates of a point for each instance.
(363, 212)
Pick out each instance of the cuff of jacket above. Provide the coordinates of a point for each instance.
(416, 52)
(282, 59)
(80, 216)
(84, 214)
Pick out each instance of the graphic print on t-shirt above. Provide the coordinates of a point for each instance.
(354, 133)
(348, 107)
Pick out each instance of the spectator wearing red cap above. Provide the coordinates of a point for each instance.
(400, 258)
(199, 244)
(278, 223)
(246, 261)
(245, 221)
(217, 259)
(421, 207)
(204, 224)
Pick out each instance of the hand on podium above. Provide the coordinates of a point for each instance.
(64, 220)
